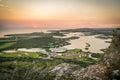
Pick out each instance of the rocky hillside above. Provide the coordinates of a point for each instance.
(66, 71)
(107, 69)
(111, 59)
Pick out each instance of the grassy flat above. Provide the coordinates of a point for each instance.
(9, 55)
(33, 55)
(5, 45)
(73, 50)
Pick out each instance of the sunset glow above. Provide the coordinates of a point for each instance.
(61, 13)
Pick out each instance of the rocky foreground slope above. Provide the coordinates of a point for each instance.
(74, 72)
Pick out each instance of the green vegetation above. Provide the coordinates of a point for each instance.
(38, 34)
(17, 63)
(6, 45)
(5, 64)
(33, 40)
(17, 70)
(9, 55)
(38, 42)
(92, 31)
(36, 66)
(66, 57)
(23, 54)
(111, 59)
(73, 50)
(47, 49)
(85, 59)
(33, 55)
(96, 55)
(43, 55)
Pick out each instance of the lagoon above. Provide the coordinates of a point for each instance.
(96, 44)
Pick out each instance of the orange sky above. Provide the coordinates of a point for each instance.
(61, 13)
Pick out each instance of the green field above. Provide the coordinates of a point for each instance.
(22, 54)
(6, 45)
(34, 40)
(73, 50)
(9, 55)
(33, 55)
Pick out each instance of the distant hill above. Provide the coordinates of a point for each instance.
(93, 31)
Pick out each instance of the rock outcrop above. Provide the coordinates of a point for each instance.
(75, 72)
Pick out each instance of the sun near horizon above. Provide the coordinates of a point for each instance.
(61, 13)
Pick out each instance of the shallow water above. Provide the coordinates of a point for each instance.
(95, 43)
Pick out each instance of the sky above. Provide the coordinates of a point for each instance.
(24, 14)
